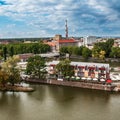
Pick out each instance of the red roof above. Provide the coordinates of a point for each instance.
(67, 41)
(52, 44)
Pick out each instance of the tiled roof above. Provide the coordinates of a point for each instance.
(67, 41)
(100, 65)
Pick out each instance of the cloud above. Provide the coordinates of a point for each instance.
(48, 16)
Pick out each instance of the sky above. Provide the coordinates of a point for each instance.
(45, 18)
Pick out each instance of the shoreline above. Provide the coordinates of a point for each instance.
(79, 84)
(16, 88)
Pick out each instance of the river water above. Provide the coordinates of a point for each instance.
(59, 103)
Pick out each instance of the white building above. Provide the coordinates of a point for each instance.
(89, 40)
(84, 70)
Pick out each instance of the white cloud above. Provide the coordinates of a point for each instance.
(45, 15)
(103, 8)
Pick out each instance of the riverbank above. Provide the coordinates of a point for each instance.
(81, 84)
(16, 88)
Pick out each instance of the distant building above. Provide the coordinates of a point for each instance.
(24, 57)
(84, 70)
(58, 42)
(89, 40)
(116, 43)
(4, 42)
(66, 42)
(80, 42)
(57, 37)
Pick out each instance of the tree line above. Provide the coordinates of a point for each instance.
(74, 50)
(21, 48)
(100, 50)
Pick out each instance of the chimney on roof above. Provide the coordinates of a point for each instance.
(66, 29)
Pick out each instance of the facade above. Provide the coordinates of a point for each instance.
(66, 42)
(84, 70)
(58, 42)
(89, 40)
(24, 57)
(116, 43)
(80, 42)
(57, 37)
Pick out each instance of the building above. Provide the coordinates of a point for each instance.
(57, 37)
(24, 57)
(89, 40)
(84, 70)
(58, 42)
(66, 42)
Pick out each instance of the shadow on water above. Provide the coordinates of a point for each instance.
(68, 95)
(66, 101)
(39, 93)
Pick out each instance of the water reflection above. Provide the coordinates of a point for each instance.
(39, 94)
(10, 105)
(59, 103)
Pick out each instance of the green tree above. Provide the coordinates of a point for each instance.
(95, 51)
(102, 55)
(70, 50)
(35, 48)
(108, 47)
(78, 50)
(103, 46)
(22, 48)
(14, 76)
(3, 77)
(65, 68)
(10, 67)
(86, 52)
(63, 50)
(115, 52)
(11, 51)
(36, 67)
(5, 53)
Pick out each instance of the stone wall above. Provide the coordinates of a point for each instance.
(75, 84)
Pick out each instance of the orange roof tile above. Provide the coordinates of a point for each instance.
(51, 44)
(67, 41)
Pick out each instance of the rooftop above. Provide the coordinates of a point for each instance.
(67, 41)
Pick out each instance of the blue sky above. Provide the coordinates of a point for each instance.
(45, 18)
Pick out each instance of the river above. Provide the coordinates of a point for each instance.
(59, 103)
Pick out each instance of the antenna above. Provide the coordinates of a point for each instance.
(66, 29)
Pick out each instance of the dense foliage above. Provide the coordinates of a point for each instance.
(64, 68)
(100, 50)
(9, 73)
(86, 52)
(36, 67)
(21, 48)
(103, 46)
(74, 50)
(115, 52)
